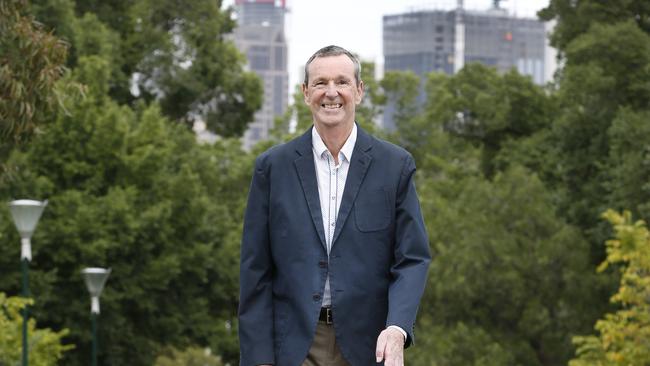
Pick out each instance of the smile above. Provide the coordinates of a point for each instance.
(331, 106)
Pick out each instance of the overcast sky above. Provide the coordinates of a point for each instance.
(356, 24)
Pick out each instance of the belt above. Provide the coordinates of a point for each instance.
(326, 315)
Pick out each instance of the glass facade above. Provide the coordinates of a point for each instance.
(424, 41)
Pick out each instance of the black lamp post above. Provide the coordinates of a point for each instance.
(95, 280)
(26, 214)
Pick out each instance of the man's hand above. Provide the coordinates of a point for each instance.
(390, 347)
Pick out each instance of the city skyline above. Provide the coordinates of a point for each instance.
(310, 25)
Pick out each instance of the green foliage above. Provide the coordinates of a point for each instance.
(483, 107)
(511, 178)
(171, 52)
(625, 334)
(402, 89)
(368, 111)
(576, 17)
(505, 266)
(128, 188)
(192, 356)
(45, 348)
(607, 74)
(32, 61)
(629, 159)
(457, 345)
(131, 191)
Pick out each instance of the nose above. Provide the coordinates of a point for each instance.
(331, 91)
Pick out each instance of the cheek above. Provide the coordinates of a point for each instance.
(309, 99)
(314, 99)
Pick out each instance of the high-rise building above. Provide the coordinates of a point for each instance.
(443, 41)
(260, 36)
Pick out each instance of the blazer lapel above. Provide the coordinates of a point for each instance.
(359, 165)
(307, 173)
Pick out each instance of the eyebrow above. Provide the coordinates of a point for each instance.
(338, 77)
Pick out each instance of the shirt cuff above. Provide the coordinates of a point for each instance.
(400, 330)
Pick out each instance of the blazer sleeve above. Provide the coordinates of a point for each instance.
(255, 276)
(411, 255)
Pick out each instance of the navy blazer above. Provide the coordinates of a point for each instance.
(377, 265)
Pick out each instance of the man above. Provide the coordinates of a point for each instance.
(334, 251)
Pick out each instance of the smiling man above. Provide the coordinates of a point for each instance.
(334, 252)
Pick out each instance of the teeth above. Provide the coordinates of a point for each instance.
(331, 106)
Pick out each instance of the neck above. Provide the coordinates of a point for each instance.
(334, 137)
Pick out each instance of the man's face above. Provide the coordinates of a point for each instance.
(332, 92)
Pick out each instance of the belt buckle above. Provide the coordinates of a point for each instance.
(328, 316)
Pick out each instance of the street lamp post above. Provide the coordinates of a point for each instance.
(95, 280)
(26, 214)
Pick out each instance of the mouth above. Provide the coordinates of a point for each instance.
(331, 105)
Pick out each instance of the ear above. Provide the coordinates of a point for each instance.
(360, 90)
(305, 93)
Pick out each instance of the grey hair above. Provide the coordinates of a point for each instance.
(334, 51)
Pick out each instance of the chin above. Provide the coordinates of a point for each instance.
(331, 122)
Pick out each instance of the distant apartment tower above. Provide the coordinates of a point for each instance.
(260, 36)
(443, 41)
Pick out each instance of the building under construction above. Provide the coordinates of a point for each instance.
(445, 40)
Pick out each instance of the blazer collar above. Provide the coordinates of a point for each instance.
(359, 164)
(304, 142)
(361, 161)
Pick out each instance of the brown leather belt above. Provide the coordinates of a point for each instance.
(326, 315)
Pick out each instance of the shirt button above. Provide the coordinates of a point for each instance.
(333, 198)
(333, 224)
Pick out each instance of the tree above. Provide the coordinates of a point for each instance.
(192, 356)
(607, 56)
(629, 157)
(45, 346)
(370, 108)
(575, 18)
(508, 275)
(31, 61)
(174, 53)
(625, 334)
(488, 109)
(457, 344)
(401, 89)
(131, 191)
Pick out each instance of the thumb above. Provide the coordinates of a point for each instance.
(381, 346)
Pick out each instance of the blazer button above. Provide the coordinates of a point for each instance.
(322, 264)
(316, 297)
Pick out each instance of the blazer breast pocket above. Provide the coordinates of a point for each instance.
(372, 210)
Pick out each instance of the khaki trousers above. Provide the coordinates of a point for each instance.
(324, 351)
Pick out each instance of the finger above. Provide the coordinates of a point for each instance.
(394, 352)
(381, 346)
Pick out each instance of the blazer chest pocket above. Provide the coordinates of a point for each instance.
(372, 211)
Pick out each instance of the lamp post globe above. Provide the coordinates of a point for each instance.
(26, 214)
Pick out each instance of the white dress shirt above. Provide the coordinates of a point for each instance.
(331, 183)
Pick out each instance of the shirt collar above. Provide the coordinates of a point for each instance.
(348, 147)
